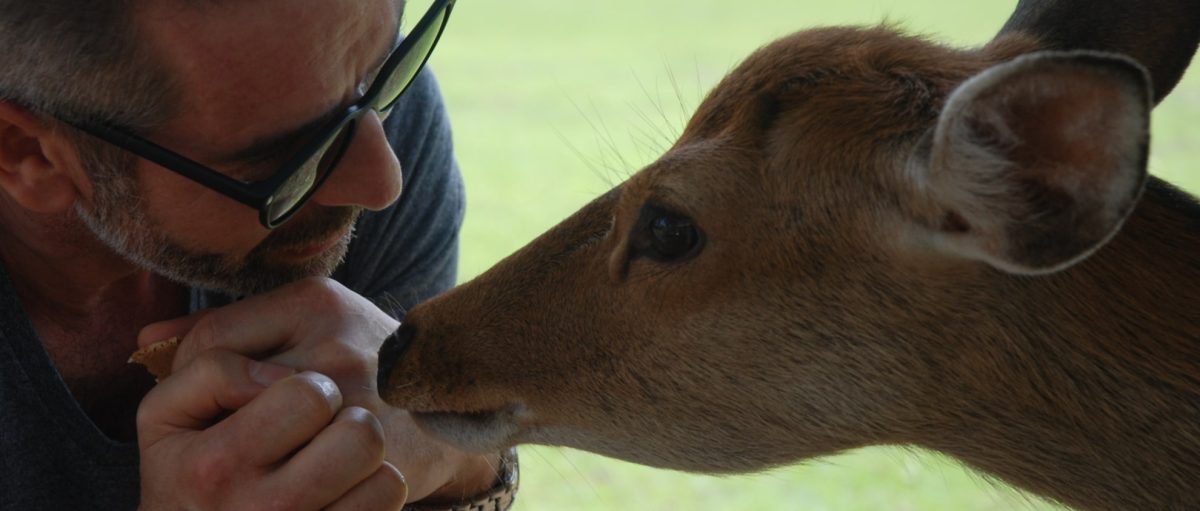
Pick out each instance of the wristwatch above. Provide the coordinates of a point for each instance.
(499, 498)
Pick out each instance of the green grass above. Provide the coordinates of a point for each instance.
(554, 101)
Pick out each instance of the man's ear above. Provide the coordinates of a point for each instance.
(34, 162)
(1036, 163)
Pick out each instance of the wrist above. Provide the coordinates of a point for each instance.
(492, 489)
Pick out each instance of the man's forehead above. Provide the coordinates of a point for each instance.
(248, 68)
(208, 5)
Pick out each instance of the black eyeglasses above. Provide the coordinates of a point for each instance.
(286, 191)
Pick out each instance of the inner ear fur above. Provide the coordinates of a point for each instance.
(1035, 163)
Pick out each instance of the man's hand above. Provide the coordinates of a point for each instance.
(289, 444)
(319, 325)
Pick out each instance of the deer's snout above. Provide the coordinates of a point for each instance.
(392, 351)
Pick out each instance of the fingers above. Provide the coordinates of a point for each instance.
(282, 419)
(345, 455)
(310, 313)
(203, 390)
(384, 490)
(289, 444)
(257, 430)
(311, 324)
(177, 327)
(272, 321)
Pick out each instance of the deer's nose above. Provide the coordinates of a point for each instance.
(392, 351)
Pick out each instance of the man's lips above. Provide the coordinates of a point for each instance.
(310, 249)
(312, 234)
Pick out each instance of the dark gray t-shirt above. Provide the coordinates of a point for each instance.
(53, 457)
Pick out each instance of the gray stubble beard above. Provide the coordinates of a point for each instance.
(118, 218)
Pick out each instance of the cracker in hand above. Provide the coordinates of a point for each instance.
(157, 357)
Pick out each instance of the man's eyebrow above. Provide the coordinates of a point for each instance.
(270, 146)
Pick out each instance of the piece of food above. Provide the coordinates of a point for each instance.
(157, 357)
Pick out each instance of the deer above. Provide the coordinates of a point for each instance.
(863, 237)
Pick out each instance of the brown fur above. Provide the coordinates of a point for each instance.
(812, 322)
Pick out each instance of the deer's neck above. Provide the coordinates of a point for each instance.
(1085, 385)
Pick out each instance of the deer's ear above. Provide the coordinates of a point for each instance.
(1035, 163)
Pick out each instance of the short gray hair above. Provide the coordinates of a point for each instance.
(82, 60)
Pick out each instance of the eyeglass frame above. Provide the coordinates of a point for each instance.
(259, 194)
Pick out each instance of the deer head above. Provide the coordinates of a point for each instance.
(845, 247)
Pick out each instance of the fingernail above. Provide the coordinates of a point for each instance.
(265, 374)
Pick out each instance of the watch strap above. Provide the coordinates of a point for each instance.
(499, 498)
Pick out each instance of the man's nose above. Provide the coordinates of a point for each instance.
(368, 174)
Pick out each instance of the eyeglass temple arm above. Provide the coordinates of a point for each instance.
(240, 191)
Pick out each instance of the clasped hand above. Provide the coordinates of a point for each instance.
(272, 404)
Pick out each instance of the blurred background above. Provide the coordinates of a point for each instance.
(554, 101)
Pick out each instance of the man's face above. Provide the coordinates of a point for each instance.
(252, 70)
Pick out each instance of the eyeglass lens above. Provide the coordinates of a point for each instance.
(291, 193)
(410, 65)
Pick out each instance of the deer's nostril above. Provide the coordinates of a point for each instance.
(392, 350)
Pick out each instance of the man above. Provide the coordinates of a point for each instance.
(128, 133)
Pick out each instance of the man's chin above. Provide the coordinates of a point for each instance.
(274, 264)
(261, 271)
(273, 270)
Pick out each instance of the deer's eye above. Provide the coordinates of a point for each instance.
(666, 236)
(674, 236)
